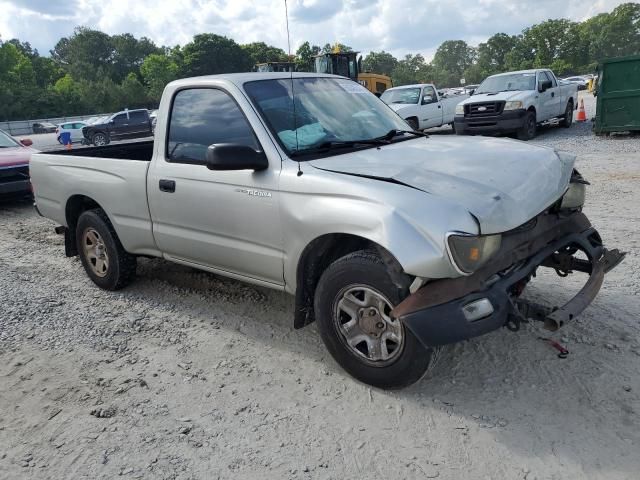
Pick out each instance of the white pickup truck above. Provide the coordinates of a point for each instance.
(421, 106)
(517, 102)
(395, 244)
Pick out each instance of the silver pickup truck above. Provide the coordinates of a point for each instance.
(393, 241)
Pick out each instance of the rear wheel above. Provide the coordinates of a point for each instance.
(99, 139)
(353, 301)
(567, 118)
(103, 257)
(529, 128)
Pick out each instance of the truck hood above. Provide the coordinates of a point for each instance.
(503, 183)
(15, 156)
(496, 97)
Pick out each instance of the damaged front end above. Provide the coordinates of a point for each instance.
(449, 310)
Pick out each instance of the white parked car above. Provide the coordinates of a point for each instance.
(422, 106)
(581, 82)
(74, 128)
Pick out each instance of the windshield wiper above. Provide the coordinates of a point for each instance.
(331, 144)
(395, 132)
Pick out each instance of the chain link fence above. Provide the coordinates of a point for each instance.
(25, 127)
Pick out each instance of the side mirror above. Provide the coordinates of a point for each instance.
(231, 156)
(544, 85)
(427, 99)
(26, 142)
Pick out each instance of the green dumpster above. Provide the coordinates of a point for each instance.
(618, 107)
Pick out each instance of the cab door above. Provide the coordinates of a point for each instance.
(430, 108)
(225, 220)
(549, 99)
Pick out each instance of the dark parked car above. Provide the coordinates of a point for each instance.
(121, 125)
(43, 127)
(14, 165)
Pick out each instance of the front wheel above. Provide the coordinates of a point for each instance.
(529, 127)
(353, 301)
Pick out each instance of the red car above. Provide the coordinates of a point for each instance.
(14, 165)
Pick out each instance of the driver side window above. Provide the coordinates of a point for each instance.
(429, 96)
(201, 117)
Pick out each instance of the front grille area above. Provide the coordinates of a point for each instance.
(14, 174)
(483, 109)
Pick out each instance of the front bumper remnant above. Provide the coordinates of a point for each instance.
(438, 313)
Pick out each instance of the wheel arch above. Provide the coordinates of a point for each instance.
(76, 205)
(318, 255)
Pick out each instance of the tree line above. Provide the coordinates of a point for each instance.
(92, 72)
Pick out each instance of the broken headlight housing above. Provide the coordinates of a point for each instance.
(470, 252)
(574, 197)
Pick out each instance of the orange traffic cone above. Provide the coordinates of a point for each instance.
(582, 116)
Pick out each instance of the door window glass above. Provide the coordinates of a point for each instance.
(201, 117)
(429, 95)
(138, 117)
(120, 119)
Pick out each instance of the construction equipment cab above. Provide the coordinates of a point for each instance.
(347, 64)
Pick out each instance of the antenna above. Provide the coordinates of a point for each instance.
(293, 96)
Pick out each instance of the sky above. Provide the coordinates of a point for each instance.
(396, 26)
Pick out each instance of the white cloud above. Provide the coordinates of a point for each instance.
(398, 26)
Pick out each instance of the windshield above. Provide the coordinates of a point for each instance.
(508, 83)
(6, 141)
(403, 95)
(326, 110)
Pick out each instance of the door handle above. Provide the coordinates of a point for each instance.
(553, 94)
(439, 106)
(168, 186)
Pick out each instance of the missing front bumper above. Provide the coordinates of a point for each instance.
(436, 313)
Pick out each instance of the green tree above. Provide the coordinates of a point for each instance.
(158, 70)
(451, 60)
(134, 95)
(129, 53)
(260, 52)
(305, 57)
(210, 54)
(380, 62)
(412, 69)
(492, 54)
(88, 54)
(613, 34)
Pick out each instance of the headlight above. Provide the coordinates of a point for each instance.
(470, 252)
(574, 198)
(459, 109)
(513, 105)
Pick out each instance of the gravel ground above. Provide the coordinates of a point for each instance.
(193, 376)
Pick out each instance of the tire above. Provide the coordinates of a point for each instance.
(361, 283)
(567, 118)
(99, 139)
(529, 127)
(103, 257)
(413, 123)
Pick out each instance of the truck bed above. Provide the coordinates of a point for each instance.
(142, 151)
(113, 176)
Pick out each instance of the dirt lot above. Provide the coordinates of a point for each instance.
(189, 375)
